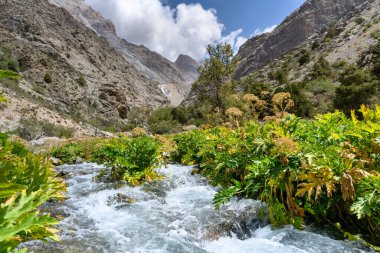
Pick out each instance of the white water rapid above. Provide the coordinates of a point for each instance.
(173, 215)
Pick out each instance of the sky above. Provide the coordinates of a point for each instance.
(173, 27)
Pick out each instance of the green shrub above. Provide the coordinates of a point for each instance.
(356, 89)
(321, 87)
(316, 44)
(320, 70)
(26, 182)
(131, 159)
(359, 20)
(81, 81)
(280, 75)
(47, 78)
(161, 121)
(39, 90)
(304, 58)
(3, 101)
(9, 74)
(326, 170)
(302, 105)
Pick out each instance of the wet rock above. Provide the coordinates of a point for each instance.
(62, 174)
(120, 198)
(55, 161)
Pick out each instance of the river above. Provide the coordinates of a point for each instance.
(172, 215)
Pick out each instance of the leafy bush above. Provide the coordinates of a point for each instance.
(9, 74)
(131, 159)
(3, 101)
(281, 76)
(359, 20)
(161, 121)
(47, 78)
(302, 105)
(304, 58)
(26, 182)
(321, 70)
(326, 169)
(356, 88)
(316, 44)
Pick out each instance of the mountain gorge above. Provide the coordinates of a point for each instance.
(174, 80)
(73, 63)
(74, 66)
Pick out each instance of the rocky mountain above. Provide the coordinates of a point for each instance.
(68, 67)
(310, 20)
(187, 64)
(174, 80)
(350, 41)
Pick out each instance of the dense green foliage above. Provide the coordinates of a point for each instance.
(26, 182)
(326, 169)
(8, 74)
(131, 159)
(3, 101)
(357, 87)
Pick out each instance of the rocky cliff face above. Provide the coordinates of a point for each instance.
(88, 77)
(312, 18)
(175, 81)
(187, 64)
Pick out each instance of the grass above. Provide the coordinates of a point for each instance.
(9, 74)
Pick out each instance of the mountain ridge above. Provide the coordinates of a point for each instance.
(310, 19)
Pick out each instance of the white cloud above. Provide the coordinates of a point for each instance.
(235, 39)
(265, 30)
(186, 29)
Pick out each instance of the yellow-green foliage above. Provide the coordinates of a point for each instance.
(26, 182)
(9, 74)
(131, 159)
(327, 168)
(3, 100)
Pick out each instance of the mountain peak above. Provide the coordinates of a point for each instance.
(186, 63)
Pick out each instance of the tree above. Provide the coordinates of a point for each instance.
(214, 73)
(356, 88)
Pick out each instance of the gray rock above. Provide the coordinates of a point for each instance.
(189, 128)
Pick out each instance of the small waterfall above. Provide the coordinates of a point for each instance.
(172, 215)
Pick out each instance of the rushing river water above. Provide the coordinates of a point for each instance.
(173, 215)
